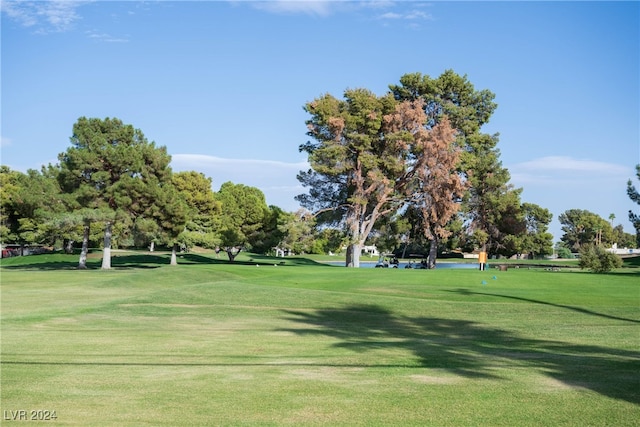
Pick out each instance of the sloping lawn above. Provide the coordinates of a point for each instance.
(299, 343)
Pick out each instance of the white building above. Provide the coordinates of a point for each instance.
(623, 251)
(370, 250)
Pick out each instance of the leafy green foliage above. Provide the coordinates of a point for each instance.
(492, 206)
(370, 156)
(634, 195)
(598, 260)
(582, 227)
(354, 169)
(195, 189)
(564, 252)
(298, 233)
(243, 213)
(624, 239)
(537, 241)
(28, 202)
(448, 95)
(112, 168)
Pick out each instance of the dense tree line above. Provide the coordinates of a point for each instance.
(410, 171)
(412, 168)
(112, 187)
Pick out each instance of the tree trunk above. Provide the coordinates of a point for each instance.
(433, 253)
(106, 251)
(82, 264)
(353, 255)
(152, 246)
(232, 256)
(174, 257)
(68, 246)
(404, 251)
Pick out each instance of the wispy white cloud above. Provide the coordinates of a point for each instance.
(570, 164)
(410, 15)
(105, 37)
(322, 8)
(390, 15)
(19, 12)
(5, 142)
(377, 4)
(418, 15)
(203, 159)
(308, 7)
(43, 16)
(276, 179)
(558, 170)
(384, 11)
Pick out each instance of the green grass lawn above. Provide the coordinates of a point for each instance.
(259, 343)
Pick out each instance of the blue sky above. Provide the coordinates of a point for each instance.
(221, 84)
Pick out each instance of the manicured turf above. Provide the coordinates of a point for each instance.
(259, 343)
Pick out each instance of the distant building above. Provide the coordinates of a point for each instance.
(370, 250)
(623, 251)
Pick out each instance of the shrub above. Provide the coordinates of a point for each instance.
(598, 260)
(564, 253)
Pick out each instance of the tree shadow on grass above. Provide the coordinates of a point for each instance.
(119, 260)
(632, 263)
(94, 262)
(68, 262)
(290, 261)
(568, 307)
(474, 350)
(144, 260)
(255, 259)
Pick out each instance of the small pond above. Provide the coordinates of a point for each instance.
(403, 265)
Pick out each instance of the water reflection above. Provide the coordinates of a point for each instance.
(414, 265)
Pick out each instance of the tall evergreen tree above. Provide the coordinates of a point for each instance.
(197, 193)
(437, 187)
(537, 240)
(582, 227)
(10, 187)
(490, 199)
(368, 154)
(634, 195)
(348, 161)
(243, 210)
(28, 202)
(112, 168)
